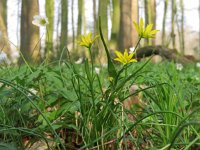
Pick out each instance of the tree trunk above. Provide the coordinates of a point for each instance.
(4, 44)
(29, 44)
(94, 16)
(79, 24)
(128, 14)
(115, 24)
(164, 52)
(3, 11)
(173, 35)
(150, 17)
(64, 25)
(80, 17)
(199, 28)
(49, 7)
(164, 22)
(182, 27)
(103, 12)
(73, 30)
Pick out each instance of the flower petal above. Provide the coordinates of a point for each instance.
(141, 26)
(136, 27)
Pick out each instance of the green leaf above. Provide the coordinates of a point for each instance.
(111, 68)
(87, 70)
(7, 146)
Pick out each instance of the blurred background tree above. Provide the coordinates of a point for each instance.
(49, 8)
(29, 34)
(4, 43)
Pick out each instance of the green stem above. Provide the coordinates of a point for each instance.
(47, 47)
(138, 42)
(92, 61)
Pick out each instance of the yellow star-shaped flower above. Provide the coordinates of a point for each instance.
(145, 32)
(125, 58)
(87, 41)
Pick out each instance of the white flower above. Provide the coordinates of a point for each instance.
(3, 57)
(97, 70)
(116, 101)
(33, 91)
(105, 65)
(131, 50)
(79, 61)
(40, 21)
(198, 64)
(179, 66)
(77, 114)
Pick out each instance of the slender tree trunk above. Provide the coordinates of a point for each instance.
(173, 35)
(57, 30)
(18, 20)
(80, 17)
(84, 19)
(153, 17)
(3, 11)
(115, 23)
(73, 30)
(49, 7)
(103, 12)
(179, 33)
(79, 24)
(146, 12)
(199, 28)
(64, 25)
(182, 27)
(94, 16)
(30, 44)
(4, 44)
(164, 22)
(150, 16)
(128, 14)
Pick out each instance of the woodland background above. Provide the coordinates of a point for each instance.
(68, 19)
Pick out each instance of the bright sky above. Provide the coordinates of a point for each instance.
(191, 16)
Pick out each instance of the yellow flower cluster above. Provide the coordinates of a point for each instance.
(145, 32)
(87, 41)
(125, 58)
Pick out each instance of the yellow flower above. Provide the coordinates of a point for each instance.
(145, 32)
(125, 58)
(86, 40)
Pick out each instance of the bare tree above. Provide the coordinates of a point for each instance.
(80, 17)
(29, 44)
(103, 12)
(182, 27)
(115, 23)
(150, 16)
(73, 29)
(128, 14)
(173, 13)
(64, 25)
(199, 28)
(164, 22)
(4, 44)
(49, 7)
(94, 15)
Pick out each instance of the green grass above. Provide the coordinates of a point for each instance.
(170, 117)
